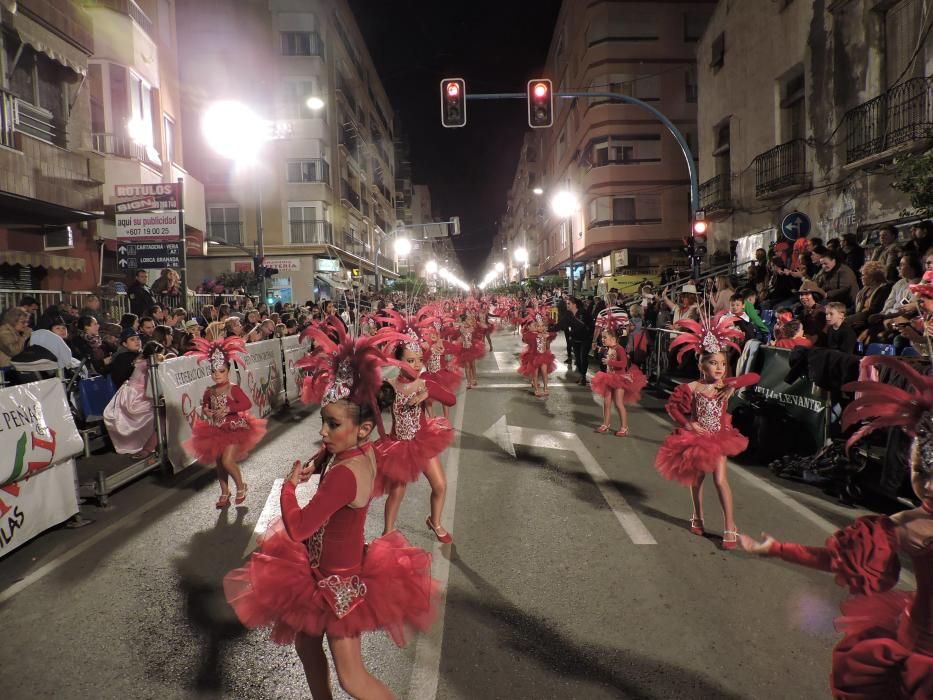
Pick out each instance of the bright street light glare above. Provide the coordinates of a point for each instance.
(565, 204)
(234, 131)
(538, 191)
(500, 268)
(315, 103)
(521, 256)
(431, 267)
(402, 247)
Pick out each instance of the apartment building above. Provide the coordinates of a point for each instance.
(802, 107)
(50, 185)
(323, 190)
(135, 108)
(625, 168)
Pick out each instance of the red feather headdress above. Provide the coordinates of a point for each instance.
(714, 334)
(886, 406)
(219, 353)
(611, 318)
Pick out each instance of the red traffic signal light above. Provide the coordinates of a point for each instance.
(453, 102)
(540, 103)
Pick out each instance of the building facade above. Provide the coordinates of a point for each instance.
(323, 190)
(627, 171)
(836, 89)
(50, 183)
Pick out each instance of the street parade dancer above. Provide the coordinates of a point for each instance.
(227, 432)
(438, 367)
(621, 382)
(485, 323)
(705, 437)
(537, 360)
(414, 445)
(314, 575)
(472, 346)
(886, 651)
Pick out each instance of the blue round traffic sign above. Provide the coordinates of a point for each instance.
(795, 225)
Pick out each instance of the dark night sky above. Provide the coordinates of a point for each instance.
(495, 47)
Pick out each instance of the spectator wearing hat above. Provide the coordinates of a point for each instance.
(836, 279)
(887, 252)
(125, 358)
(110, 337)
(687, 306)
(811, 312)
(53, 340)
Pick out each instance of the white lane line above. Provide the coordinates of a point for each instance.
(426, 672)
(124, 523)
(272, 510)
(506, 361)
(796, 506)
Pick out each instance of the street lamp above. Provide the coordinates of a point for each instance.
(500, 268)
(538, 191)
(315, 103)
(431, 267)
(402, 247)
(565, 204)
(521, 256)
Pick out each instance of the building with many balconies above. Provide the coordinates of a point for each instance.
(835, 90)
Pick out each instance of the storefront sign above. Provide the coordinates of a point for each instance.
(136, 205)
(135, 256)
(326, 265)
(284, 264)
(154, 226)
(165, 195)
(36, 504)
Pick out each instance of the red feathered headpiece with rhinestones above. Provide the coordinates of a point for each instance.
(881, 405)
(219, 353)
(708, 335)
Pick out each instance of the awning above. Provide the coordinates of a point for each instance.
(332, 282)
(16, 210)
(46, 260)
(45, 47)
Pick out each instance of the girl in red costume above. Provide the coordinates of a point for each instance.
(705, 436)
(437, 367)
(886, 652)
(228, 431)
(622, 382)
(537, 360)
(472, 346)
(314, 575)
(488, 327)
(416, 441)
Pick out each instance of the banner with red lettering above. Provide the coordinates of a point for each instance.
(182, 381)
(260, 371)
(36, 503)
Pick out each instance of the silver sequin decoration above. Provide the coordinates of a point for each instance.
(434, 360)
(219, 401)
(541, 342)
(345, 590)
(407, 418)
(708, 412)
(315, 545)
(341, 386)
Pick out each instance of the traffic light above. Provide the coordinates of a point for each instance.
(453, 102)
(700, 231)
(270, 272)
(540, 103)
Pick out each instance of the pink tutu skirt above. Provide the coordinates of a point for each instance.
(632, 381)
(684, 454)
(530, 360)
(403, 461)
(208, 442)
(278, 589)
(474, 352)
(447, 378)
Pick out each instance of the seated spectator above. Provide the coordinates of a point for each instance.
(836, 279)
(233, 327)
(186, 342)
(130, 321)
(751, 296)
(157, 313)
(291, 326)
(839, 334)
(791, 336)
(92, 308)
(129, 417)
(165, 336)
(147, 326)
(921, 238)
(177, 320)
(870, 298)
(124, 360)
(87, 345)
(193, 327)
(853, 253)
(30, 305)
(223, 312)
(919, 332)
(811, 313)
(887, 252)
(737, 309)
(53, 340)
(781, 286)
(280, 330)
(208, 315)
(252, 332)
(110, 337)
(268, 328)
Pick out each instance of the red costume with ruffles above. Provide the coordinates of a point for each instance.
(439, 369)
(235, 426)
(415, 438)
(886, 652)
(619, 374)
(686, 454)
(472, 344)
(314, 574)
(537, 353)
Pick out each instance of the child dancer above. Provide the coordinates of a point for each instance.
(416, 441)
(437, 367)
(486, 325)
(705, 436)
(537, 360)
(470, 349)
(228, 431)
(886, 652)
(314, 575)
(622, 382)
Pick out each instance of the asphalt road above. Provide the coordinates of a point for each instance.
(573, 575)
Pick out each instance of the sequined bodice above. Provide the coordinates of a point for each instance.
(611, 356)
(466, 334)
(407, 418)
(218, 401)
(708, 412)
(541, 342)
(434, 360)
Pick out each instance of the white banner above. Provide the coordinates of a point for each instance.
(183, 381)
(36, 503)
(260, 373)
(152, 227)
(294, 351)
(36, 429)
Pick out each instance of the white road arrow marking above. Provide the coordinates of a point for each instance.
(507, 436)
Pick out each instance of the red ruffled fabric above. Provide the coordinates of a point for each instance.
(448, 379)
(208, 442)
(684, 454)
(530, 360)
(403, 461)
(864, 555)
(278, 589)
(632, 380)
(475, 351)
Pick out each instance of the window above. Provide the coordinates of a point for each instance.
(903, 23)
(295, 94)
(645, 87)
(168, 127)
(690, 84)
(625, 211)
(310, 170)
(96, 90)
(223, 224)
(165, 22)
(307, 222)
(564, 235)
(718, 56)
(302, 44)
(721, 147)
(793, 107)
(141, 126)
(621, 26)
(625, 150)
(694, 24)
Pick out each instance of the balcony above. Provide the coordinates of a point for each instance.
(900, 119)
(385, 262)
(716, 194)
(128, 8)
(124, 147)
(225, 232)
(348, 194)
(624, 222)
(17, 115)
(310, 231)
(309, 170)
(782, 170)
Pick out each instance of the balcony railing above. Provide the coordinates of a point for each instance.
(36, 121)
(7, 119)
(902, 115)
(716, 193)
(349, 194)
(624, 222)
(385, 262)
(225, 231)
(125, 147)
(311, 231)
(309, 170)
(128, 8)
(781, 168)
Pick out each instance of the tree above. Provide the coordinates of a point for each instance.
(913, 175)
